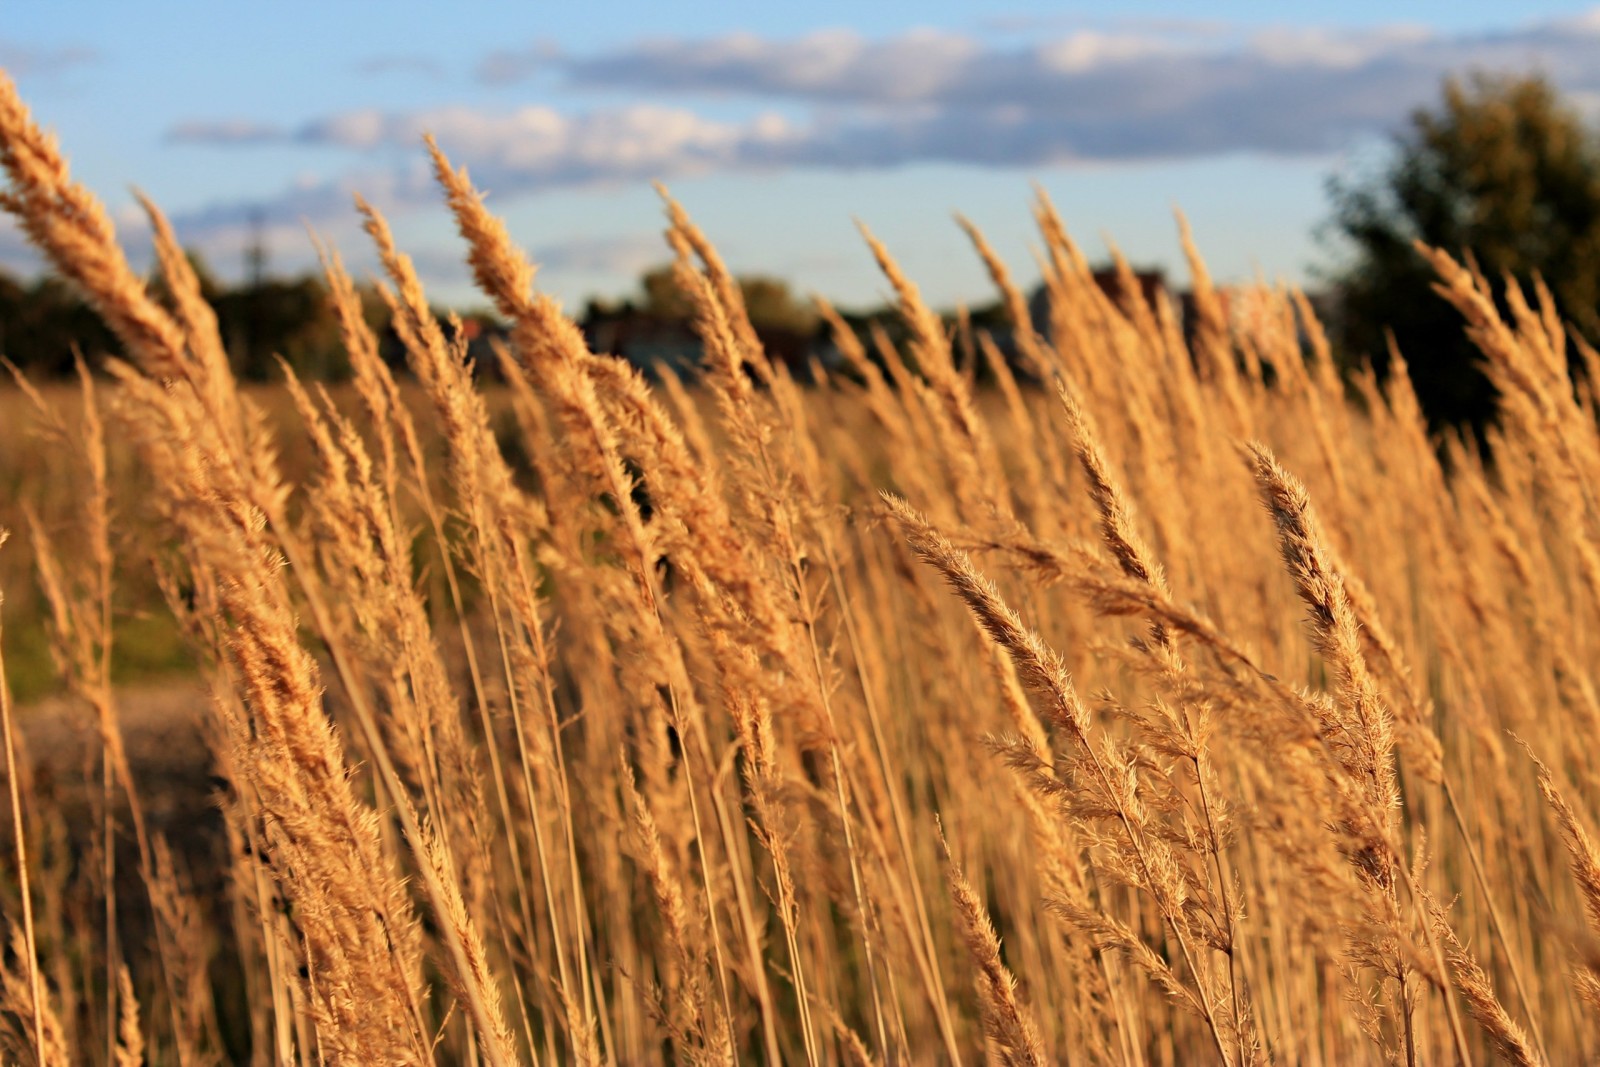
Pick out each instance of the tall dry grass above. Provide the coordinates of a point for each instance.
(1161, 714)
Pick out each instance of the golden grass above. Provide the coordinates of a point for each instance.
(1158, 715)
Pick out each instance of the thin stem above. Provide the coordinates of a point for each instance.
(1494, 917)
(28, 937)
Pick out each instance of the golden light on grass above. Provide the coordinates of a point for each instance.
(1123, 695)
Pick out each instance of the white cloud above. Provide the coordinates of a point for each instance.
(510, 65)
(1122, 73)
(535, 143)
(542, 144)
(1086, 50)
(1130, 92)
(826, 65)
(225, 131)
(1343, 50)
(408, 65)
(23, 60)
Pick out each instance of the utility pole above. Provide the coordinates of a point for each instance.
(255, 254)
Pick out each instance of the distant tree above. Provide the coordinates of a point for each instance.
(769, 301)
(44, 322)
(662, 297)
(288, 317)
(773, 305)
(1502, 169)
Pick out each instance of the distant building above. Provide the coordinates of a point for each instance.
(647, 341)
(651, 342)
(1153, 290)
(1152, 285)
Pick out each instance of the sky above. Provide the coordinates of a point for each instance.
(779, 127)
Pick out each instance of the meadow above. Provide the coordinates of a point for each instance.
(1170, 697)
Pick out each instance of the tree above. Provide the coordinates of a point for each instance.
(288, 317)
(662, 296)
(1503, 170)
(44, 322)
(770, 303)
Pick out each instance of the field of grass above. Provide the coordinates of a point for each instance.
(1173, 701)
(43, 477)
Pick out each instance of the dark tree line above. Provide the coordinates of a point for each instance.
(43, 322)
(1501, 169)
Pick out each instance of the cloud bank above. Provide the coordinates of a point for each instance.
(1129, 93)
(1104, 96)
(23, 61)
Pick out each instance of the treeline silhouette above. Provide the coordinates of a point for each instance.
(44, 323)
(1502, 171)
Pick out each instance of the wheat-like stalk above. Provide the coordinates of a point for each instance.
(562, 712)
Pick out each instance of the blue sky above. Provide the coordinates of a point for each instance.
(776, 125)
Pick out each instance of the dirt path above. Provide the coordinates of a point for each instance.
(163, 729)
